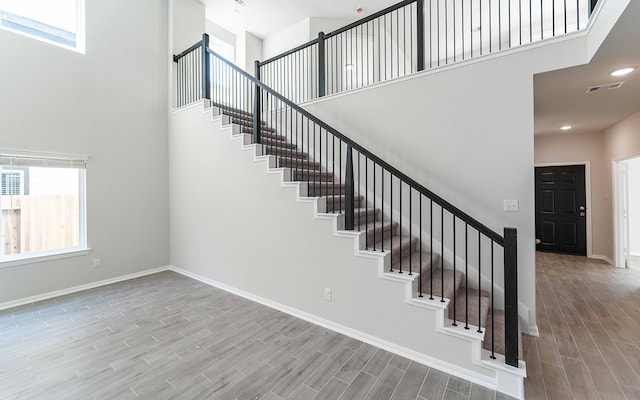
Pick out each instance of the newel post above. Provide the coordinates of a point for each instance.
(206, 68)
(257, 105)
(321, 66)
(511, 296)
(349, 187)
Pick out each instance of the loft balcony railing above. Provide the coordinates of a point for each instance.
(345, 173)
(414, 35)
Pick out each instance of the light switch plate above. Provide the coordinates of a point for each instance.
(511, 206)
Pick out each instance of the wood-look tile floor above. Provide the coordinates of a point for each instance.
(589, 321)
(166, 336)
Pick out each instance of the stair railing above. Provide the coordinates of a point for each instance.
(413, 35)
(350, 178)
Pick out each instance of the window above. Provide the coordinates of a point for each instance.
(42, 205)
(60, 22)
(12, 183)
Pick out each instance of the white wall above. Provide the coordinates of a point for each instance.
(110, 104)
(249, 49)
(286, 39)
(634, 206)
(558, 149)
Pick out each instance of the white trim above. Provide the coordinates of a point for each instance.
(31, 258)
(42, 154)
(80, 288)
(533, 331)
(618, 206)
(448, 368)
(601, 257)
(587, 185)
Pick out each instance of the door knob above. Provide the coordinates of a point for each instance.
(582, 208)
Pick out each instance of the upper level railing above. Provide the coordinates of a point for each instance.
(414, 35)
(365, 188)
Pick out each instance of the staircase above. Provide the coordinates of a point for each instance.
(466, 306)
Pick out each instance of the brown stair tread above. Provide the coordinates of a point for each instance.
(472, 317)
(436, 279)
(394, 244)
(499, 334)
(288, 162)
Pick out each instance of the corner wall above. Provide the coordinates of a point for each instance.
(109, 104)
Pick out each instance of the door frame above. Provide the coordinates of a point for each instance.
(618, 209)
(587, 187)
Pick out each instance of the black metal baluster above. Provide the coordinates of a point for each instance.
(442, 254)
(420, 259)
(400, 202)
(454, 269)
(431, 249)
(340, 161)
(565, 16)
(466, 277)
(410, 229)
(391, 208)
(321, 65)
(493, 322)
(479, 281)
(438, 29)
(382, 212)
(446, 33)
(359, 184)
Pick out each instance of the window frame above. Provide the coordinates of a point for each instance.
(47, 255)
(80, 39)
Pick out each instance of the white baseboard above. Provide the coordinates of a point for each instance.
(533, 330)
(347, 331)
(601, 257)
(62, 292)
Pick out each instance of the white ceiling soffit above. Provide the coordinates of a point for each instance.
(265, 17)
(561, 97)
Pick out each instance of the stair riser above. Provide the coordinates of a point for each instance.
(278, 144)
(279, 152)
(296, 163)
(339, 204)
(315, 176)
(328, 190)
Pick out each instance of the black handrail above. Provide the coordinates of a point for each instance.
(369, 18)
(288, 53)
(394, 171)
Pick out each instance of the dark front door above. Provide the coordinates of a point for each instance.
(561, 211)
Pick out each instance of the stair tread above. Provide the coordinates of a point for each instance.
(470, 314)
(394, 243)
(499, 334)
(437, 280)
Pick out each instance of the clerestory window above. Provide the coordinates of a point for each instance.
(60, 22)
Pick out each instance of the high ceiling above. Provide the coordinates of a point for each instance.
(265, 17)
(560, 96)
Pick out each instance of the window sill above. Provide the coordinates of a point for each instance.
(12, 261)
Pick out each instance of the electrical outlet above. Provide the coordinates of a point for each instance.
(511, 206)
(97, 263)
(327, 294)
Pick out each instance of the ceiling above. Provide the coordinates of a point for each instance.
(560, 96)
(265, 17)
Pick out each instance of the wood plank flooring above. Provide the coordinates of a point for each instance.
(165, 336)
(589, 322)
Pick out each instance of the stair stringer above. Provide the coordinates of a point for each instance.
(457, 343)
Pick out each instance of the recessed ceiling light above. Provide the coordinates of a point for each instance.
(623, 71)
(566, 127)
